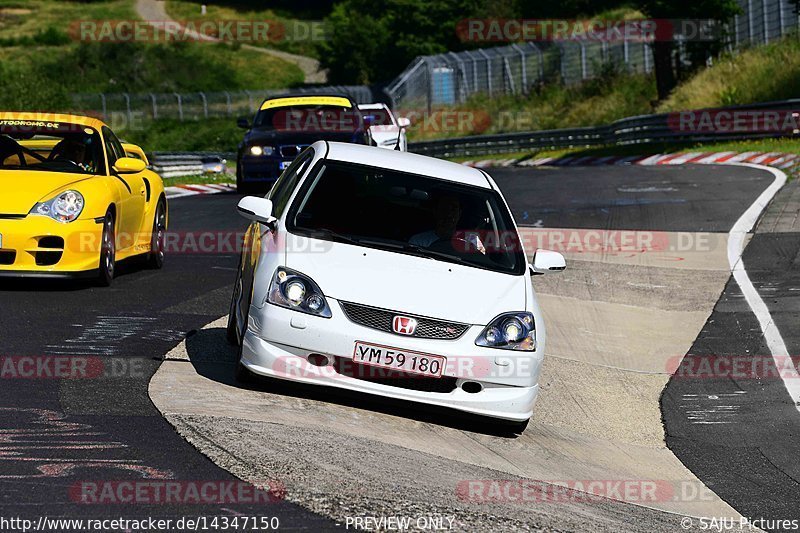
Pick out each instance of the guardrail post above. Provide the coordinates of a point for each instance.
(205, 104)
(180, 106)
(155, 106)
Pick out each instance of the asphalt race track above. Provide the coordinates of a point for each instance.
(619, 322)
(120, 435)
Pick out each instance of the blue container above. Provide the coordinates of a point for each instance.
(443, 86)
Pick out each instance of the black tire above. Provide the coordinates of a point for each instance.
(108, 252)
(515, 428)
(242, 374)
(155, 259)
(232, 331)
(241, 186)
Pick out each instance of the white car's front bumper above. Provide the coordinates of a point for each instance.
(279, 341)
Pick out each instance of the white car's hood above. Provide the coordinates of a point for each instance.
(410, 284)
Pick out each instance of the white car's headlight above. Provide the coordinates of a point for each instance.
(66, 207)
(296, 291)
(261, 150)
(510, 331)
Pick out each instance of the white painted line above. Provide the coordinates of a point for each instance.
(736, 238)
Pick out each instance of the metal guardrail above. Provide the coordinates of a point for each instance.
(642, 129)
(180, 164)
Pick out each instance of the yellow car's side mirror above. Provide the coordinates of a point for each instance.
(129, 165)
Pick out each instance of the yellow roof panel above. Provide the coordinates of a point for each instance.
(306, 100)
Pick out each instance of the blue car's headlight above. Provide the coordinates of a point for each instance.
(296, 291)
(510, 331)
(66, 207)
(261, 150)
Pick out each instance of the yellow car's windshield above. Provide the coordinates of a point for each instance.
(50, 147)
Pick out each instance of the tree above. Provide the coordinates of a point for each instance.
(369, 42)
(663, 50)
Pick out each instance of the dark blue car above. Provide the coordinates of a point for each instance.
(284, 126)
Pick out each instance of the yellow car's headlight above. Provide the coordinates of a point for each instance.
(65, 208)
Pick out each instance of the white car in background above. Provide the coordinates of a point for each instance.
(384, 126)
(392, 274)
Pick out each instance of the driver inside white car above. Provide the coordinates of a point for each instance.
(448, 214)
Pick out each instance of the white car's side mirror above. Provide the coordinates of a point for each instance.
(547, 261)
(256, 209)
(403, 122)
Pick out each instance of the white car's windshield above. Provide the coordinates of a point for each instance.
(409, 214)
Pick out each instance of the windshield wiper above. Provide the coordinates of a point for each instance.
(414, 249)
(411, 249)
(318, 232)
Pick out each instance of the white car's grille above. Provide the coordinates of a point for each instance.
(381, 319)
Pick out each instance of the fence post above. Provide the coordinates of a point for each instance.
(155, 106)
(781, 23)
(764, 21)
(128, 106)
(736, 31)
(228, 101)
(474, 72)
(249, 100)
(583, 61)
(488, 69)
(626, 54)
(508, 74)
(462, 84)
(105, 107)
(524, 86)
(750, 21)
(541, 60)
(205, 104)
(646, 49)
(180, 106)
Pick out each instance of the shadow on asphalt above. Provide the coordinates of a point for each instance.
(124, 268)
(215, 359)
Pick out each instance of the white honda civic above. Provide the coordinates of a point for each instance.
(391, 274)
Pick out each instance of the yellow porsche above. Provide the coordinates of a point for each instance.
(74, 200)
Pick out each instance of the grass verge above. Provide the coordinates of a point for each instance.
(293, 35)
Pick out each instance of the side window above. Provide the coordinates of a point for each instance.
(287, 183)
(113, 147)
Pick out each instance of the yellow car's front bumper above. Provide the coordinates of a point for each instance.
(38, 246)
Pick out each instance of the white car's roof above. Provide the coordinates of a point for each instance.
(403, 162)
